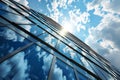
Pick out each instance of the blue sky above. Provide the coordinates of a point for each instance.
(96, 22)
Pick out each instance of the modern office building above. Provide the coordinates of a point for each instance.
(34, 47)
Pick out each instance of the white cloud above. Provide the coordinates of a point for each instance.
(84, 17)
(111, 6)
(55, 6)
(8, 34)
(13, 67)
(21, 70)
(114, 58)
(78, 19)
(4, 69)
(47, 59)
(39, 0)
(104, 38)
(69, 51)
(102, 7)
(54, 11)
(62, 3)
(58, 74)
(49, 39)
(41, 54)
(23, 2)
(70, 1)
(38, 48)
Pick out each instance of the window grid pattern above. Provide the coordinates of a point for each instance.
(45, 36)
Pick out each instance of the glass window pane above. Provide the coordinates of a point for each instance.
(49, 39)
(86, 64)
(85, 73)
(31, 64)
(100, 72)
(33, 29)
(82, 77)
(40, 62)
(10, 41)
(62, 72)
(64, 49)
(16, 18)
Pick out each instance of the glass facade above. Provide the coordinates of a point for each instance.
(32, 48)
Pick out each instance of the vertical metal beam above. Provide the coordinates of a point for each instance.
(15, 52)
(52, 68)
(76, 75)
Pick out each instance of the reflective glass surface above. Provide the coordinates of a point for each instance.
(48, 39)
(19, 24)
(10, 41)
(62, 71)
(82, 77)
(32, 63)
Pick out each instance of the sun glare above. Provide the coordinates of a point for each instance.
(67, 27)
(63, 31)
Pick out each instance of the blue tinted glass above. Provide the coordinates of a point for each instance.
(105, 74)
(62, 72)
(85, 73)
(49, 39)
(39, 61)
(63, 49)
(2, 6)
(99, 71)
(31, 64)
(86, 64)
(16, 18)
(91, 58)
(69, 52)
(10, 41)
(82, 77)
(33, 29)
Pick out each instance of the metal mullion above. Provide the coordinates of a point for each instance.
(48, 45)
(19, 24)
(20, 33)
(15, 4)
(52, 68)
(76, 75)
(24, 23)
(8, 4)
(35, 23)
(102, 73)
(91, 61)
(94, 70)
(15, 52)
(103, 65)
(15, 24)
(12, 70)
(40, 20)
(8, 11)
(44, 29)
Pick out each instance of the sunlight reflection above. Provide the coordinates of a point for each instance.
(63, 32)
(67, 27)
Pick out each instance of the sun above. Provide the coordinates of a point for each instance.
(63, 31)
(66, 27)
